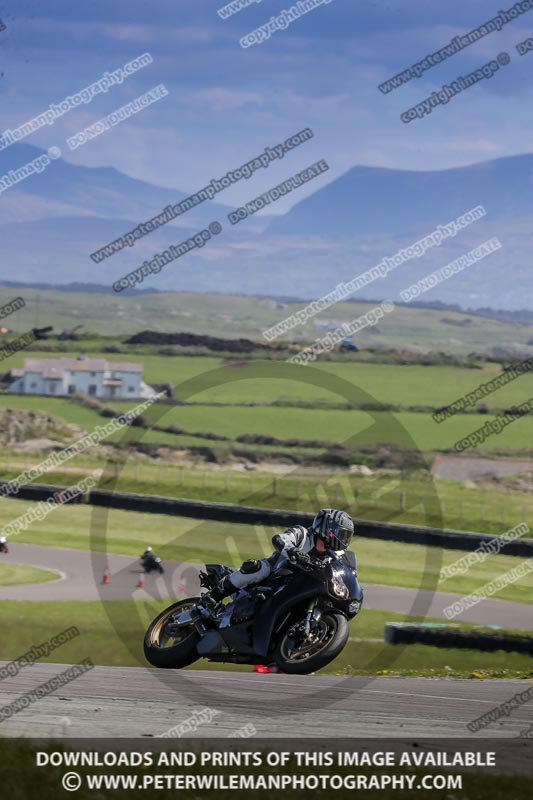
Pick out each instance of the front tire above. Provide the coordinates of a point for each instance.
(318, 650)
(167, 652)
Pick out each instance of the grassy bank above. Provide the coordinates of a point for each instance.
(412, 497)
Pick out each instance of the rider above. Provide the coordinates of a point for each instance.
(331, 529)
(148, 554)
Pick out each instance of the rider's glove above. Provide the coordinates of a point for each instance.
(301, 559)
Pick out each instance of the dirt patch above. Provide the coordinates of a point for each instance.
(466, 468)
(196, 340)
(19, 425)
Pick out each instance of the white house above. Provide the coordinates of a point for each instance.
(92, 376)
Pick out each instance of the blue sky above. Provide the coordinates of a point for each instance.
(226, 103)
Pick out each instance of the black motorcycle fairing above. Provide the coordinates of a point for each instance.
(292, 591)
(235, 639)
(212, 643)
(260, 610)
(303, 586)
(351, 559)
(244, 608)
(227, 644)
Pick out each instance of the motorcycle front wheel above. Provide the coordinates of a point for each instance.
(325, 642)
(172, 649)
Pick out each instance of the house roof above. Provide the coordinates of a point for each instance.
(124, 366)
(56, 367)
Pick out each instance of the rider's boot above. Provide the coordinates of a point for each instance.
(210, 601)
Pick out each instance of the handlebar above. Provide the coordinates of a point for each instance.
(305, 561)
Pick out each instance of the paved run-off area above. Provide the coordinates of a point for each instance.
(133, 702)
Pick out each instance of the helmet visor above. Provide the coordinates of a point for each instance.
(336, 536)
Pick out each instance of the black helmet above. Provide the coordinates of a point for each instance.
(334, 527)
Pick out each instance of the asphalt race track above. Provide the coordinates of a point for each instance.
(81, 579)
(122, 702)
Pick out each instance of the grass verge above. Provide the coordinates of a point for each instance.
(16, 574)
(111, 634)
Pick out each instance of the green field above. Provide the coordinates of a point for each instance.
(201, 541)
(14, 574)
(353, 428)
(403, 385)
(232, 317)
(232, 398)
(326, 433)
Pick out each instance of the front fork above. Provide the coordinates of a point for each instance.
(312, 613)
(188, 615)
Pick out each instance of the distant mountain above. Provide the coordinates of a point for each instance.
(67, 190)
(75, 288)
(51, 222)
(373, 200)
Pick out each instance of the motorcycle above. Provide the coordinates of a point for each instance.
(4, 548)
(296, 619)
(152, 563)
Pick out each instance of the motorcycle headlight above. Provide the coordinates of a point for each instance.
(339, 587)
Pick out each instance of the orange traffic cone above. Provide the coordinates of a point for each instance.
(140, 585)
(107, 576)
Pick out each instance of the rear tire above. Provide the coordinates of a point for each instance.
(320, 653)
(156, 648)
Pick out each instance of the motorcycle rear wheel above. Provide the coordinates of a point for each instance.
(158, 647)
(318, 650)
